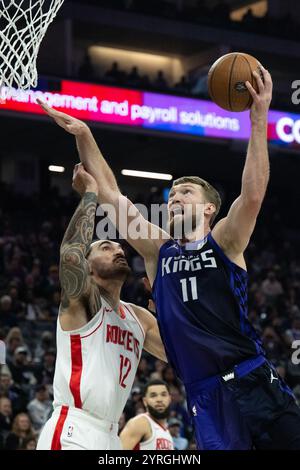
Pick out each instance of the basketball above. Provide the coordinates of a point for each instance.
(226, 81)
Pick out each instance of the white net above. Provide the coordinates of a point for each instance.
(23, 25)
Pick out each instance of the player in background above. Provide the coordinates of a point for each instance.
(149, 431)
(99, 337)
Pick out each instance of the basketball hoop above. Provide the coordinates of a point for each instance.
(23, 25)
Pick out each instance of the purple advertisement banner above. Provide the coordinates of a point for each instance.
(139, 109)
(198, 117)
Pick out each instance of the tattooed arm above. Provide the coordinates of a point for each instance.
(75, 280)
(151, 236)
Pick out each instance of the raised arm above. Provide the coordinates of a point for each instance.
(234, 231)
(152, 236)
(108, 192)
(74, 271)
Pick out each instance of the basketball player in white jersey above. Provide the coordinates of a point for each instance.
(149, 431)
(99, 337)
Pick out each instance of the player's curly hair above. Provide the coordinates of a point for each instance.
(153, 382)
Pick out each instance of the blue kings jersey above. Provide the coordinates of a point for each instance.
(201, 304)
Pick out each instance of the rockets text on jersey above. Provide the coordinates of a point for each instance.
(96, 364)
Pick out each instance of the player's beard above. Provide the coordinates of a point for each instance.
(158, 414)
(116, 270)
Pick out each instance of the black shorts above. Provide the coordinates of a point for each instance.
(255, 410)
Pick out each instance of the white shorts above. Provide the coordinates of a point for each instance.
(75, 429)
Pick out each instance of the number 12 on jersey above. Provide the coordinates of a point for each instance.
(189, 289)
(125, 368)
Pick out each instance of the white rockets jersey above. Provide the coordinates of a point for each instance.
(96, 364)
(160, 439)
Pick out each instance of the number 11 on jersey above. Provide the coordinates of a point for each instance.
(189, 289)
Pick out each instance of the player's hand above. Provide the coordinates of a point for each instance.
(82, 181)
(262, 99)
(70, 124)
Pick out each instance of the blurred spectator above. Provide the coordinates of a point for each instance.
(293, 374)
(182, 86)
(86, 70)
(51, 283)
(54, 307)
(159, 367)
(145, 82)
(33, 311)
(46, 342)
(5, 417)
(21, 430)
(114, 75)
(48, 367)
(29, 443)
(273, 344)
(138, 265)
(178, 407)
(16, 395)
(40, 407)
(13, 340)
(134, 78)
(17, 304)
(134, 403)
(21, 369)
(143, 371)
(180, 443)
(293, 334)
(248, 17)
(8, 317)
(281, 371)
(160, 82)
(170, 378)
(271, 287)
(14, 269)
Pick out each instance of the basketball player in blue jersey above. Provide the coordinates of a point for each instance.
(235, 396)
